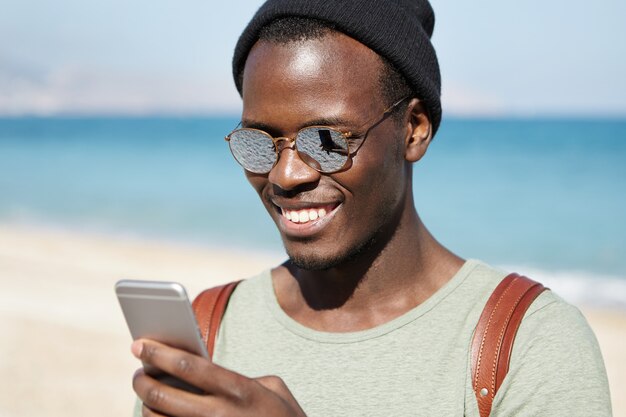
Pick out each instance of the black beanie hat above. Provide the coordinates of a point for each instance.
(399, 30)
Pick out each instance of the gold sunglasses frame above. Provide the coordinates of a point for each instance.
(282, 142)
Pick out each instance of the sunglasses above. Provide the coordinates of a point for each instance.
(323, 148)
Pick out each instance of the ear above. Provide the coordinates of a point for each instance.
(418, 132)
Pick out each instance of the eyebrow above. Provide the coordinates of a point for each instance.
(335, 122)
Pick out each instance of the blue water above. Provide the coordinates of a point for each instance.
(544, 193)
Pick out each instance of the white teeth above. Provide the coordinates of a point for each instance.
(303, 216)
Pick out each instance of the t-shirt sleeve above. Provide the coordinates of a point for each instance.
(556, 367)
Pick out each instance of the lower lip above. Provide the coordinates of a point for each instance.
(305, 229)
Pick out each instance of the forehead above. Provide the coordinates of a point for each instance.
(315, 77)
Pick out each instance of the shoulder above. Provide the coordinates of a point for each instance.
(242, 286)
(553, 324)
(250, 293)
(253, 285)
(226, 297)
(550, 313)
(556, 367)
(554, 327)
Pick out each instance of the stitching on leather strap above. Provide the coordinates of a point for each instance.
(500, 339)
(486, 331)
(514, 294)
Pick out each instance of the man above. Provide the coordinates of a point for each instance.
(370, 315)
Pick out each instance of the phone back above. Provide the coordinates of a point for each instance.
(160, 311)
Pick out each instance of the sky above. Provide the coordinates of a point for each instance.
(498, 58)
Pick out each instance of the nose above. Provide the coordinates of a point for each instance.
(290, 171)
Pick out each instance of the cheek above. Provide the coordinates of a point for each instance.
(379, 168)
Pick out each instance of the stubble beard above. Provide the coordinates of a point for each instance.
(312, 262)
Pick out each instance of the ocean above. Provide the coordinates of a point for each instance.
(544, 196)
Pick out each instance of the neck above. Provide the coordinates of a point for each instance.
(392, 275)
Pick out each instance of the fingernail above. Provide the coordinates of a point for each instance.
(136, 348)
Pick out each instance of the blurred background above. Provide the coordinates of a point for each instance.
(113, 164)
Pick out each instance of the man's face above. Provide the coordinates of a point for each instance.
(325, 219)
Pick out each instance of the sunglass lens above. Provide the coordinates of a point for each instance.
(253, 149)
(327, 147)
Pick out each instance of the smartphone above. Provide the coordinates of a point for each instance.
(161, 311)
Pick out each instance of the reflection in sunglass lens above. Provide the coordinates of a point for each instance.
(323, 149)
(328, 147)
(253, 149)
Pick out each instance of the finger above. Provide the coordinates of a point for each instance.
(273, 383)
(278, 387)
(195, 370)
(160, 399)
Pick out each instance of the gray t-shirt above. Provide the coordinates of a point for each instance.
(418, 363)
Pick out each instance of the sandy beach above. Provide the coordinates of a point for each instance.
(64, 349)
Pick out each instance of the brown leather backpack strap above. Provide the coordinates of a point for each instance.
(495, 333)
(209, 307)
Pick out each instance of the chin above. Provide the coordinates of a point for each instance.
(310, 259)
(313, 262)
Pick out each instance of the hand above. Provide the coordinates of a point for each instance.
(226, 393)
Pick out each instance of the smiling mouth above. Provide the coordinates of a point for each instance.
(306, 215)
